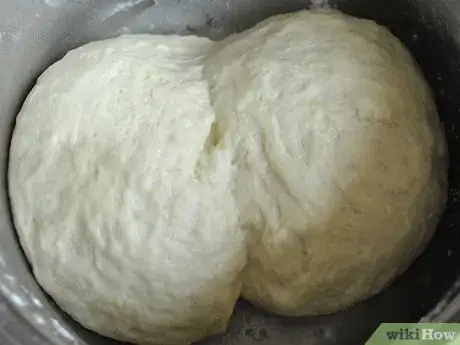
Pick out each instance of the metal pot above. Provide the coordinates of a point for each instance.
(35, 33)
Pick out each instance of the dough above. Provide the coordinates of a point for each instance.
(122, 227)
(341, 173)
(154, 179)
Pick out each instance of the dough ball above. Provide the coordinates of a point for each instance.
(341, 173)
(125, 216)
(154, 179)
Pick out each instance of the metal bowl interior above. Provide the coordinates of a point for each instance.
(33, 34)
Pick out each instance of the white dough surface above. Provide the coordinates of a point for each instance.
(122, 227)
(341, 173)
(341, 157)
(155, 179)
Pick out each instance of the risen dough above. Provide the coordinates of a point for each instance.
(119, 228)
(340, 155)
(145, 170)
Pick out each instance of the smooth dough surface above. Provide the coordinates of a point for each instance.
(341, 173)
(154, 179)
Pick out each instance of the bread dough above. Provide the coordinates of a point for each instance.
(341, 173)
(120, 229)
(152, 177)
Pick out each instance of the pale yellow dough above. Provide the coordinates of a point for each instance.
(155, 179)
(341, 174)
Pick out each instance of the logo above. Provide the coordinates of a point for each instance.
(416, 334)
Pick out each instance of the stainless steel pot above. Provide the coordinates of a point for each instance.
(35, 33)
